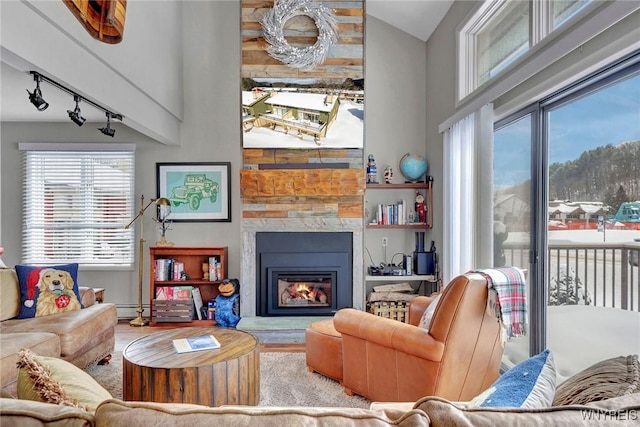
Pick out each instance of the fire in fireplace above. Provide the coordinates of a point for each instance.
(304, 291)
(303, 273)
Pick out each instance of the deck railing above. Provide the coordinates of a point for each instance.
(598, 274)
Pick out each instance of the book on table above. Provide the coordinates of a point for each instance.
(202, 342)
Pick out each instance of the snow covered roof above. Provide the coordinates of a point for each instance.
(308, 101)
(249, 97)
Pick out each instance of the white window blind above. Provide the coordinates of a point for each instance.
(76, 204)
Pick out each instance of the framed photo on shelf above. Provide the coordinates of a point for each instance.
(198, 191)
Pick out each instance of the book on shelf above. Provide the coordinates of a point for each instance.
(197, 301)
(173, 293)
(202, 342)
(178, 268)
(182, 292)
(395, 214)
(215, 273)
(165, 269)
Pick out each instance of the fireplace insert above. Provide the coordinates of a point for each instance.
(303, 273)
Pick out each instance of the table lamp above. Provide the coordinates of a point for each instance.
(140, 321)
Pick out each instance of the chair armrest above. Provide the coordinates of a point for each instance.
(388, 333)
(87, 296)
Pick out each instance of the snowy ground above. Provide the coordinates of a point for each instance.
(346, 132)
(580, 236)
(580, 336)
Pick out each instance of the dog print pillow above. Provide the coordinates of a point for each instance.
(48, 290)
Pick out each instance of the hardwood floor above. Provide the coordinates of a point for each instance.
(126, 333)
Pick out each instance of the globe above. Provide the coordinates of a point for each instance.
(413, 166)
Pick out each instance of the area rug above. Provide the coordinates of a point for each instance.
(284, 381)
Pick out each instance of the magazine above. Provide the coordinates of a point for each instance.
(203, 342)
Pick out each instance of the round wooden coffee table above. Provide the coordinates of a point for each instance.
(154, 371)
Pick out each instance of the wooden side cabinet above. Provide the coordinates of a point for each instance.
(192, 260)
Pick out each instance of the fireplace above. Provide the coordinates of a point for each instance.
(303, 273)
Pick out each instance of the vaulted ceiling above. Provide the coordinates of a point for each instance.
(418, 18)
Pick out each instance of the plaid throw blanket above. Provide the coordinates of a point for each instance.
(508, 298)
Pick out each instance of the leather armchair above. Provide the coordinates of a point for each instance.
(456, 359)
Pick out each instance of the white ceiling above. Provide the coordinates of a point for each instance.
(418, 18)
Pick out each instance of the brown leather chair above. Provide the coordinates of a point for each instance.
(457, 358)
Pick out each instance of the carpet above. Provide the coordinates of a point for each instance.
(284, 381)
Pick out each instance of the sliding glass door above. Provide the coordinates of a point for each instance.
(567, 192)
(593, 296)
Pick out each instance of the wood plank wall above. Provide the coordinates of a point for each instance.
(303, 192)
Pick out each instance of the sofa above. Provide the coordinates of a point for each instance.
(82, 337)
(428, 411)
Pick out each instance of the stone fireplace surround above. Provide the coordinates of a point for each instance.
(249, 229)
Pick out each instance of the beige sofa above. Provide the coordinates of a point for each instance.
(429, 411)
(83, 337)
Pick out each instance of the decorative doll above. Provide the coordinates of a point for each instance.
(421, 210)
(372, 171)
(388, 174)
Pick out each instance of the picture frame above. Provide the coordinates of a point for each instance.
(198, 191)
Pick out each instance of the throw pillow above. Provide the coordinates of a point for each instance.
(425, 320)
(609, 378)
(53, 380)
(48, 290)
(530, 384)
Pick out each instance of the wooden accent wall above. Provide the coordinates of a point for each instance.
(344, 59)
(297, 193)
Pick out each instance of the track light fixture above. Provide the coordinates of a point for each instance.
(107, 129)
(75, 115)
(36, 97)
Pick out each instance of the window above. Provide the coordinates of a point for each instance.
(76, 204)
(501, 31)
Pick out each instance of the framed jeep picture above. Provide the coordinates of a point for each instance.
(198, 191)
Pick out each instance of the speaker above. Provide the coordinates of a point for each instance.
(424, 263)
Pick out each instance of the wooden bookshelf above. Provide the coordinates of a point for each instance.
(192, 258)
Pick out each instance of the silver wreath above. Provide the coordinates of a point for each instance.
(308, 57)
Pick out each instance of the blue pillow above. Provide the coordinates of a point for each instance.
(530, 384)
(48, 290)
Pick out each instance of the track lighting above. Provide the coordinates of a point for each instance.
(107, 129)
(75, 115)
(36, 97)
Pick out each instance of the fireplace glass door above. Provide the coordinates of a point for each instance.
(300, 291)
(304, 290)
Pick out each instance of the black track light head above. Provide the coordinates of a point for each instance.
(36, 97)
(75, 115)
(107, 129)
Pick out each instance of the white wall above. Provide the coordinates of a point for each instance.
(210, 131)
(395, 111)
(440, 99)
